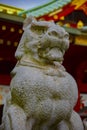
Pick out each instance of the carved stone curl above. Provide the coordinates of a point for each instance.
(43, 94)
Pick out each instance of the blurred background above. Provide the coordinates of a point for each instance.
(70, 14)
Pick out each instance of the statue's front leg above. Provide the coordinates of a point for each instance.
(15, 119)
(76, 122)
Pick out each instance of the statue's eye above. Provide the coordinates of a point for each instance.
(38, 30)
(53, 33)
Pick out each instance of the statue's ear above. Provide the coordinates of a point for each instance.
(28, 21)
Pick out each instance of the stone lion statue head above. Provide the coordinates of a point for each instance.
(45, 41)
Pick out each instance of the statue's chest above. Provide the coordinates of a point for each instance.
(29, 76)
(28, 82)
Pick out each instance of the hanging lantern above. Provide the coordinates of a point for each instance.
(80, 24)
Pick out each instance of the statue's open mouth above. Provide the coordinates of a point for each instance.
(53, 54)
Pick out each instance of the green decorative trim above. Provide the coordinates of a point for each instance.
(46, 8)
(75, 31)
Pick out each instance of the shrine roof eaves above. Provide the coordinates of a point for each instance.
(46, 8)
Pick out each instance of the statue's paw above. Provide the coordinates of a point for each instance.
(15, 119)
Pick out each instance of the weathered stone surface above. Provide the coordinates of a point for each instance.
(43, 94)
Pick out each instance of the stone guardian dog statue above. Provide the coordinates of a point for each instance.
(43, 94)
